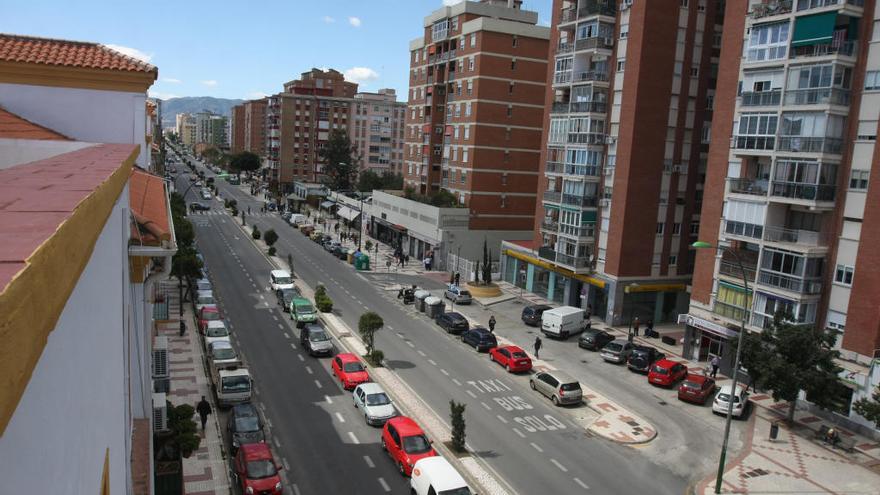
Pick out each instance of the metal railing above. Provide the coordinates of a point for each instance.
(731, 269)
(817, 96)
(564, 47)
(795, 236)
(588, 106)
(576, 262)
(743, 229)
(590, 76)
(582, 170)
(586, 138)
(574, 231)
(552, 196)
(559, 107)
(754, 187)
(803, 5)
(772, 8)
(729, 310)
(551, 225)
(594, 43)
(562, 77)
(810, 144)
(577, 200)
(554, 167)
(766, 143)
(790, 283)
(800, 190)
(846, 48)
(761, 98)
(600, 7)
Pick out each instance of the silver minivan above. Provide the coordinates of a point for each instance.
(316, 340)
(560, 387)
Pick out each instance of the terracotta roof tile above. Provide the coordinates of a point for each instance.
(147, 198)
(14, 127)
(47, 51)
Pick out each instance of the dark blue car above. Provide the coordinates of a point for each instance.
(479, 338)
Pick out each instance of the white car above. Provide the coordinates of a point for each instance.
(374, 403)
(204, 298)
(434, 475)
(216, 332)
(206, 195)
(280, 279)
(722, 398)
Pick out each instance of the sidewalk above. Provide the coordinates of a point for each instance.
(206, 471)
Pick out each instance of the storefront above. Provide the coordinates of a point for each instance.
(704, 339)
(553, 283)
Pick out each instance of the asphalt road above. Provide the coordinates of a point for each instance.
(531, 445)
(317, 435)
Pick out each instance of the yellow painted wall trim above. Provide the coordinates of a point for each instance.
(34, 299)
(598, 282)
(658, 288)
(76, 77)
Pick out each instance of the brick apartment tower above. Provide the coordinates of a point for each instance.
(377, 130)
(473, 123)
(255, 126)
(793, 182)
(236, 135)
(624, 149)
(299, 121)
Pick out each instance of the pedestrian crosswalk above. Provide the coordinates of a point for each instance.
(255, 214)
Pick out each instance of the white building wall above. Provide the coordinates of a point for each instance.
(74, 406)
(89, 115)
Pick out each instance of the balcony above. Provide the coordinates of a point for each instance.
(577, 200)
(811, 144)
(581, 170)
(549, 224)
(731, 269)
(586, 138)
(597, 7)
(562, 77)
(559, 107)
(754, 187)
(790, 283)
(564, 48)
(807, 238)
(594, 43)
(579, 232)
(757, 143)
(574, 262)
(554, 167)
(803, 191)
(845, 49)
(591, 76)
(552, 196)
(732, 311)
(817, 96)
(761, 98)
(588, 106)
(803, 5)
(771, 8)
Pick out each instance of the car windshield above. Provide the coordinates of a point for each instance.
(262, 468)
(464, 293)
(236, 384)
(456, 491)
(568, 387)
(218, 332)
(353, 367)
(318, 336)
(726, 397)
(416, 444)
(283, 281)
(224, 353)
(660, 370)
(519, 354)
(613, 347)
(379, 399)
(247, 423)
(210, 316)
(304, 308)
(206, 299)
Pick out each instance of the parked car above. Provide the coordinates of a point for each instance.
(196, 206)
(307, 229)
(452, 322)
(350, 370)
(216, 331)
(202, 283)
(221, 355)
(286, 215)
(315, 340)
(511, 358)
(206, 314)
(479, 338)
(330, 245)
(406, 443)
(203, 298)
(254, 470)
(302, 312)
(696, 388)
(642, 357)
(563, 321)
(372, 400)
(666, 373)
(560, 387)
(280, 279)
(722, 398)
(594, 339)
(531, 315)
(617, 351)
(340, 252)
(457, 295)
(433, 475)
(284, 296)
(206, 195)
(244, 426)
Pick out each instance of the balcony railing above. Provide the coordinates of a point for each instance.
(790, 283)
(795, 236)
(562, 77)
(577, 200)
(554, 167)
(600, 7)
(594, 43)
(754, 187)
(800, 190)
(766, 143)
(743, 229)
(582, 170)
(553, 196)
(772, 8)
(846, 48)
(816, 4)
(550, 254)
(761, 98)
(588, 106)
(729, 311)
(559, 107)
(731, 269)
(586, 138)
(811, 144)
(568, 15)
(564, 47)
(549, 224)
(571, 230)
(817, 96)
(590, 76)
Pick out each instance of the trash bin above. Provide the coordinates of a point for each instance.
(421, 295)
(362, 262)
(350, 257)
(774, 430)
(434, 306)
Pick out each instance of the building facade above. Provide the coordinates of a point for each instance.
(237, 129)
(377, 130)
(475, 110)
(628, 103)
(186, 128)
(211, 129)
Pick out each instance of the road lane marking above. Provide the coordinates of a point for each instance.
(293, 346)
(521, 434)
(286, 464)
(369, 462)
(400, 335)
(300, 356)
(353, 438)
(422, 353)
(535, 446)
(455, 381)
(340, 418)
(329, 400)
(296, 489)
(486, 406)
(286, 336)
(281, 326)
(309, 370)
(501, 418)
(262, 297)
(560, 466)
(583, 485)
(432, 362)
(444, 372)
(384, 485)
(274, 317)
(473, 395)
(318, 384)
(410, 344)
(276, 442)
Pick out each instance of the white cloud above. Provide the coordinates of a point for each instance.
(210, 82)
(354, 21)
(171, 80)
(256, 95)
(131, 52)
(328, 19)
(361, 75)
(451, 2)
(162, 96)
(544, 22)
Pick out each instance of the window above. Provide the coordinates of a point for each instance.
(695, 227)
(463, 176)
(695, 71)
(684, 3)
(872, 80)
(504, 179)
(470, 87)
(455, 23)
(513, 64)
(843, 275)
(471, 64)
(509, 111)
(467, 132)
(514, 41)
(503, 200)
(464, 156)
(710, 102)
(461, 43)
(467, 109)
(507, 134)
(753, 124)
(676, 228)
(620, 65)
(510, 88)
(624, 31)
(455, 132)
(473, 40)
(660, 226)
(768, 42)
(677, 68)
(673, 259)
(858, 179)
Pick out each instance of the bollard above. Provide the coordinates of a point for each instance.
(774, 430)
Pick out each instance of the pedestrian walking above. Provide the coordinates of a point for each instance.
(636, 326)
(537, 346)
(649, 328)
(457, 277)
(249, 210)
(716, 362)
(492, 324)
(589, 311)
(182, 328)
(204, 409)
(405, 259)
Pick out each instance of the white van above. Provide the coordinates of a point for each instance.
(297, 219)
(280, 279)
(562, 322)
(435, 476)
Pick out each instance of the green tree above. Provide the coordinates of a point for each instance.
(368, 324)
(212, 155)
(458, 425)
(787, 358)
(340, 167)
(369, 181)
(443, 199)
(178, 204)
(392, 181)
(183, 231)
(870, 408)
(185, 436)
(477, 273)
(270, 237)
(256, 233)
(487, 264)
(245, 161)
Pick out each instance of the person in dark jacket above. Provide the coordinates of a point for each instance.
(204, 409)
(537, 346)
(492, 324)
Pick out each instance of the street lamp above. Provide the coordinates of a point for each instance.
(626, 290)
(742, 330)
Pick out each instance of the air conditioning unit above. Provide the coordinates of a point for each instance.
(624, 5)
(161, 369)
(682, 169)
(610, 139)
(604, 203)
(160, 413)
(608, 41)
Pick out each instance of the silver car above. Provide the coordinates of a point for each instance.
(316, 340)
(617, 351)
(457, 294)
(560, 387)
(374, 403)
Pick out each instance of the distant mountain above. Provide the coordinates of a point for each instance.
(193, 104)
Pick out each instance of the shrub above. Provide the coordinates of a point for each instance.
(234, 212)
(320, 290)
(375, 357)
(368, 324)
(324, 303)
(458, 434)
(271, 250)
(270, 237)
(185, 435)
(232, 203)
(368, 245)
(256, 233)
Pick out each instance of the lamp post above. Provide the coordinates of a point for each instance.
(627, 290)
(742, 330)
(361, 222)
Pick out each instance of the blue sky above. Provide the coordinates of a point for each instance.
(242, 49)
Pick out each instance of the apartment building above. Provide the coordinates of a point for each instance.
(475, 110)
(298, 124)
(185, 124)
(237, 129)
(248, 127)
(377, 130)
(628, 105)
(791, 179)
(211, 129)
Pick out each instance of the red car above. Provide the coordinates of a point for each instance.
(696, 388)
(665, 373)
(350, 370)
(206, 314)
(406, 443)
(255, 470)
(511, 357)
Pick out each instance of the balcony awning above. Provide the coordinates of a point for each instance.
(348, 213)
(814, 29)
(327, 204)
(733, 287)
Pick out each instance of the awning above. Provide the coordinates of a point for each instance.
(734, 287)
(814, 29)
(550, 266)
(295, 197)
(347, 213)
(328, 204)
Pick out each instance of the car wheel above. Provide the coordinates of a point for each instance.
(508, 368)
(564, 335)
(554, 400)
(366, 420)
(491, 357)
(532, 384)
(401, 468)
(384, 447)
